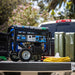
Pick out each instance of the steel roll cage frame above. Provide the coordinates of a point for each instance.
(17, 29)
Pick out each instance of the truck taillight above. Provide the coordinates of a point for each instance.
(66, 20)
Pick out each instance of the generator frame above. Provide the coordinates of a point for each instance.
(25, 30)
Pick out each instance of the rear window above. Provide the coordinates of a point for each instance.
(60, 27)
(63, 27)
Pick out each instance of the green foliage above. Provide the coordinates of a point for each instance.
(61, 1)
(6, 7)
(69, 10)
(41, 5)
(53, 12)
(4, 27)
(45, 15)
(26, 15)
(22, 13)
(68, 13)
(69, 5)
(59, 13)
(54, 3)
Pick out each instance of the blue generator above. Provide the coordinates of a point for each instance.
(27, 42)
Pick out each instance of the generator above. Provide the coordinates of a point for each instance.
(28, 42)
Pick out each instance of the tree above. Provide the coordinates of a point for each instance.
(6, 8)
(41, 5)
(69, 11)
(61, 16)
(26, 15)
(54, 3)
(53, 13)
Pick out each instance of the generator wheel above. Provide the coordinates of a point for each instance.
(14, 57)
(25, 55)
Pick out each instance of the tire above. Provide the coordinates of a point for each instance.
(25, 55)
(14, 57)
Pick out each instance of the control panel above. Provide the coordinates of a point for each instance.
(31, 38)
(21, 37)
(40, 38)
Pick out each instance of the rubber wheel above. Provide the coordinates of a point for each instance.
(14, 57)
(25, 55)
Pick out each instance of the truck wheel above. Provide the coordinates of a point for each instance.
(14, 57)
(25, 55)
